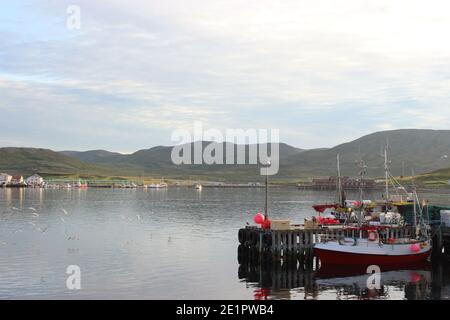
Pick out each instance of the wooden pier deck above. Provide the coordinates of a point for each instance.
(297, 243)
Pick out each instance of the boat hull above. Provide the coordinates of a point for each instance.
(348, 258)
(365, 252)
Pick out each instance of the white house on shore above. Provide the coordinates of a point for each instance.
(34, 180)
(17, 181)
(5, 179)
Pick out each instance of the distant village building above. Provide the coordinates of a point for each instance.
(34, 180)
(17, 180)
(5, 179)
(329, 183)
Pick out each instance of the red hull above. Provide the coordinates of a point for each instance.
(333, 257)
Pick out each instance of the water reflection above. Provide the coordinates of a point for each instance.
(303, 280)
(174, 243)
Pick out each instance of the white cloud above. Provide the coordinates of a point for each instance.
(301, 66)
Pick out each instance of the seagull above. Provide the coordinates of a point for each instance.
(35, 214)
(43, 230)
(14, 208)
(138, 216)
(64, 210)
(32, 209)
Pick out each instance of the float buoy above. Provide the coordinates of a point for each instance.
(373, 235)
(415, 247)
(259, 218)
(241, 236)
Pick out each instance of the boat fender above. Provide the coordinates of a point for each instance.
(373, 235)
(415, 247)
(254, 237)
(242, 236)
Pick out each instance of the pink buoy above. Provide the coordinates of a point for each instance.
(266, 224)
(415, 247)
(258, 218)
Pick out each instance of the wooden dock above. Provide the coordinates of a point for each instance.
(298, 242)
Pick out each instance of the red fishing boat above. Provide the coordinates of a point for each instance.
(362, 251)
(373, 250)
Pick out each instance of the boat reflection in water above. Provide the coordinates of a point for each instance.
(395, 282)
(305, 280)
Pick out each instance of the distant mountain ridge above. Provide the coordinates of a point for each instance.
(92, 156)
(409, 149)
(47, 162)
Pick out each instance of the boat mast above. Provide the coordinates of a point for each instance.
(266, 205)
(386, 170)
(416, 200)
(362, 173)
(339, 181)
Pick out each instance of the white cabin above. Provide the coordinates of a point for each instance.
(5, 179)
(35, 180)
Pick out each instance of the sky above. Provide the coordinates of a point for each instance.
(322, 72)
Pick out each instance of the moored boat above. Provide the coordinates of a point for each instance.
(160, 185)
(374, 249)
(361, 251)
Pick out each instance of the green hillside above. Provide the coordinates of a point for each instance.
(439, 178)
(26, 161)
(420, 150)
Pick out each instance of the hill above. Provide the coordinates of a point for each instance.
(93, 156)
(26, 161)
(439, 178)
(157, 161)
(419, 150)
(422, 150)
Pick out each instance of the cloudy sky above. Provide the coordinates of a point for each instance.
(323, 72)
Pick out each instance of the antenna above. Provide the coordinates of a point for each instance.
(339, 180)
(362, 173)
(386, 171)
(416, 200)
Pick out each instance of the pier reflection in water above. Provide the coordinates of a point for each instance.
(306, 279)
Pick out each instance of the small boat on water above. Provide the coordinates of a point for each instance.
(81, 185)
(198, 187)
(160, 185)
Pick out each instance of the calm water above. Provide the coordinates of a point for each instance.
(170, 244)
